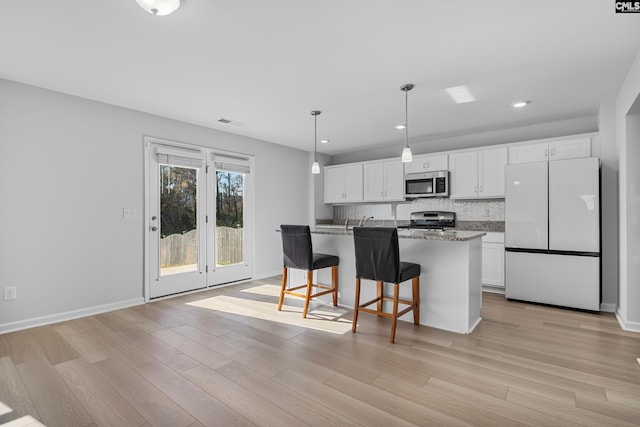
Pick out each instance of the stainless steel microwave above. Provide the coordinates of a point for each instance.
(427, 184)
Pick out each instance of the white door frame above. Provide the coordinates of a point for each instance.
(249, 219)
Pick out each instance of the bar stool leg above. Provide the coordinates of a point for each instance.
(380, 291)
(394, 320)
(334, 284)
(308, 294)
(415, 283)
(355, 308)
(284, 286)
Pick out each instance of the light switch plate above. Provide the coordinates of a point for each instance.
(128, 213)
(9, 293)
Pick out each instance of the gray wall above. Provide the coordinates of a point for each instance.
(609, 203)
(68, 166)
(633, 215)
(627, 139)
(317, 209)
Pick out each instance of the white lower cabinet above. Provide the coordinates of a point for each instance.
(493, 260)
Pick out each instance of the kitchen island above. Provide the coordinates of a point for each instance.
(450, 279)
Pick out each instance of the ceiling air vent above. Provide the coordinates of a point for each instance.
(230, 122)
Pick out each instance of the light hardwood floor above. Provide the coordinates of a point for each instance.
(227, 357)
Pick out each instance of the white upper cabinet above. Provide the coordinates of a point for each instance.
(571, 149)
(491, 165)
(477, 174)
(343, 183)
(425, 163)
(463, 176)
(557, 150)
(383, 181)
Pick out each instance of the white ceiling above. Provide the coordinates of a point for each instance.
(269, 63)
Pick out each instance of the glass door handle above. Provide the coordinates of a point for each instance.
(154, 228)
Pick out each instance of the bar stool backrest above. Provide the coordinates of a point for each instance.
(377, 254)
(296, 247)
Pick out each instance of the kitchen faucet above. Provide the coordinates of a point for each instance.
(364, 220)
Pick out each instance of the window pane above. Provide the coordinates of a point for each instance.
(178, 220)
(229, 218)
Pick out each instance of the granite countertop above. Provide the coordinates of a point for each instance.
(446, 235)
(486, 226)
(497, 226)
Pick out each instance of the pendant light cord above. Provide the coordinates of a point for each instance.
(315, 138)
(406, 116)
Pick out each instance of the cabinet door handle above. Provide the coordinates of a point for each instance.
(553, 151)
(481, 190)
(475, 189)
(546, 153)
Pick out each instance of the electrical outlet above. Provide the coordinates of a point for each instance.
(9, 293)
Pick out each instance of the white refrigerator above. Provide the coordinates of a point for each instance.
(552, 232)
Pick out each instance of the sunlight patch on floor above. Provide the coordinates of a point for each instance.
(264, 289)
(320, 317)
(4, 409)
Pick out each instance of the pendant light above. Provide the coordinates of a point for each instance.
(159, 7)
(315, 168)
(406, 151)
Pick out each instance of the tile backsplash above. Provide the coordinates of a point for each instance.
(466, 210)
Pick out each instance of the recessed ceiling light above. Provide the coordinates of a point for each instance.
(324, 141)
(460, 94)
(400, 127)
(520, 104)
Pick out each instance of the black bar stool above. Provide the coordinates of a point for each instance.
(298, 254)
(378, 259)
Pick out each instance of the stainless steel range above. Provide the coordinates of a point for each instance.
(433, 220)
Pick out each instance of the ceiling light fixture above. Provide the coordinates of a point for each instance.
(315, 167)
(520, 104)
(324, 141)
(159, 7)
(400, 127)
(406, 151)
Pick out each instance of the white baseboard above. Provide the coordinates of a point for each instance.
(626, 324)
(267, 275)
(608, 308)
(493, 289)
(68, 315)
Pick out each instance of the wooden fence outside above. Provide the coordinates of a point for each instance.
(182, 249)
(229, 245)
